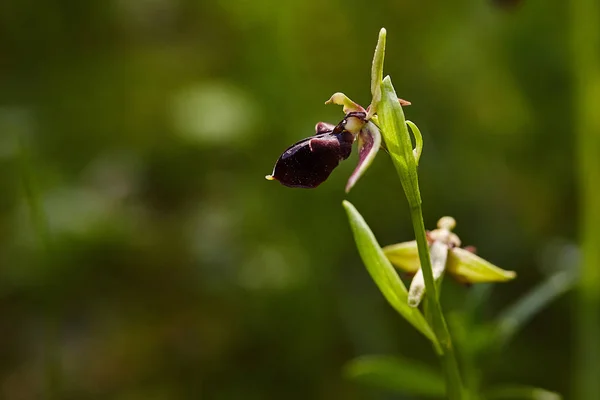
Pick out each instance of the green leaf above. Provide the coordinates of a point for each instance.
(521, 392)
(383, 273)
(397, 375)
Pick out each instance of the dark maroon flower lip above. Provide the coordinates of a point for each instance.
(309, 162)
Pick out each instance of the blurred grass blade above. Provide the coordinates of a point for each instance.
(511, 320)
(383, 273)
(520, 392)
(397, 375)
(584, 33)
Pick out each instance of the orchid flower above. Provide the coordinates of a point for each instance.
(309, 162)
(446, 256)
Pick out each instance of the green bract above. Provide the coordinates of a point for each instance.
(397, 140)
(383, 273)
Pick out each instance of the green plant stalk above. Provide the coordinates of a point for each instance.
(454, 385)
(585, 46)
(397, 139)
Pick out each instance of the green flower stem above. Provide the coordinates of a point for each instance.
(585, 43)
(397, 139)
(454, 384)
(394, 130)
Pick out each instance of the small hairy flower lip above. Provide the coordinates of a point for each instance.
(309, 162)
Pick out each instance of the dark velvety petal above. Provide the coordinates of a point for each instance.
(323, 127)
(309, 162)
(369, 142)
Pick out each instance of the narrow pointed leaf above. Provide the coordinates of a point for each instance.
(397, 375)
(369, 142)
(404, 256)
(384, 274)
(377, 72)
(520, 392)
(474, 269)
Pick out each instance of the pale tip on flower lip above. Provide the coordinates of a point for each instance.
(448, 223)
(269, 177)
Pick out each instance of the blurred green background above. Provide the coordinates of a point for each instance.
(174, 270)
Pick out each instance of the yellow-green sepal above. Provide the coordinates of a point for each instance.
(404, 256)
(471, 268)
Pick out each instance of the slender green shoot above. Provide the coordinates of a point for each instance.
(585, 46)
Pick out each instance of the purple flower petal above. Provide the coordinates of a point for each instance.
(369, 141)
(323, 127)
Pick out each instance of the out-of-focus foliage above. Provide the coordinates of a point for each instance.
(177, 272)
